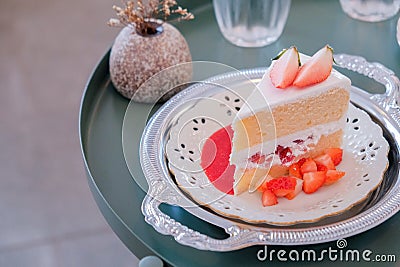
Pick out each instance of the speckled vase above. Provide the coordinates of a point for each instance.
(135, 58)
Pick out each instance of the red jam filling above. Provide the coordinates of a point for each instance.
(285, 154)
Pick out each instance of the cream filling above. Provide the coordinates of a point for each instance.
(299, 143)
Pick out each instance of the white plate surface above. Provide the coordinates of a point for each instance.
(364, 161)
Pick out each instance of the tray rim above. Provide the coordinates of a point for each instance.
(252, 235)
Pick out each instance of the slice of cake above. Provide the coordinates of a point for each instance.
(278, 126)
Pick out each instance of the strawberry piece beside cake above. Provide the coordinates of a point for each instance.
(279, 126)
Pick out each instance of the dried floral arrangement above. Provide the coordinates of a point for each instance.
(147, 16)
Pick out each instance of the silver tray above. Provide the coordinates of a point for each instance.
(383, 203)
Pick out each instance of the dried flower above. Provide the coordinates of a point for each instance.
(145, 16)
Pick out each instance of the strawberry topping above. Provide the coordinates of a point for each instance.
(317, 69)
(285, 68)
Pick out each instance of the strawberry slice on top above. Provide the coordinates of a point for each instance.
(317, 69)
(284, 70)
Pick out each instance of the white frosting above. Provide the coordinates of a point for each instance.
(266, 94)
(240, 158)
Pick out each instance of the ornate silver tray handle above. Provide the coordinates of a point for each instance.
(390, 100)
(162, 189)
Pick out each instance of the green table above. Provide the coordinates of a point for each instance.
(311, 25)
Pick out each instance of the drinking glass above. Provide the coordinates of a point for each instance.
(370, 10)
(251, 23)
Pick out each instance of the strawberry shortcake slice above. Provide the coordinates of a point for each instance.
(298, 110)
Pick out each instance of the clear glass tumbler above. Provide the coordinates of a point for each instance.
(251, 23)
(370, 10)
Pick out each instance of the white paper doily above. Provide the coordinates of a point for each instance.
(364, 161)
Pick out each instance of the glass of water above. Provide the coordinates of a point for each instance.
(370, 10)
(251, 23)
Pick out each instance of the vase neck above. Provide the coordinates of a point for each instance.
(150, 28)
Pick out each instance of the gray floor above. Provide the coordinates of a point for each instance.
(48, 216)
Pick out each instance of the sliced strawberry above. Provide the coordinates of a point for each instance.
(263, 186)
(332, 176)
(294, 170)
(317, 69)
(268, 198)
(326, 161)
(312, 181)
(282, 186)
(297, 189)
(285, 68)
(301, 161)
(336, 155)
(321, 167)
(282, 192)
(309, 165)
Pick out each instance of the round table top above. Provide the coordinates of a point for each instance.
(311, 25)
